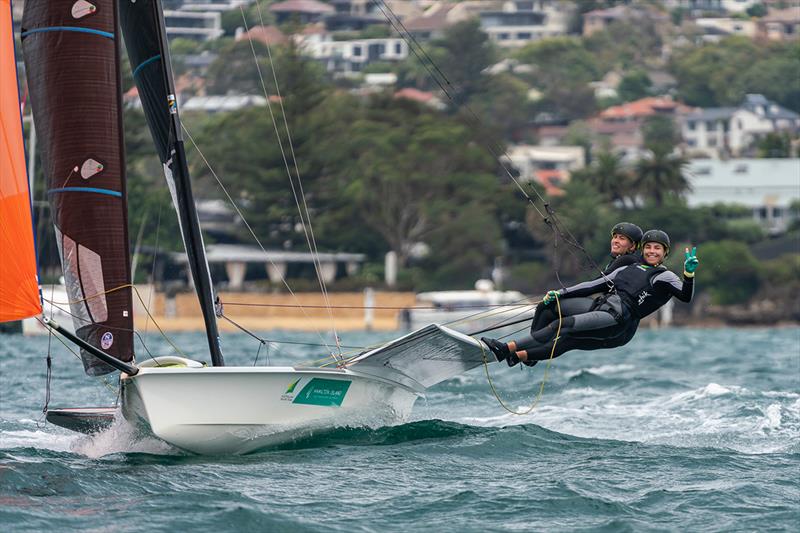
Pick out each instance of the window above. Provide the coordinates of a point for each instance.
(740, 169)
(502, 36)
(691, 125)
(702, 171)
(524, 36)
(398, 48)
(357, 51)
(710, 125)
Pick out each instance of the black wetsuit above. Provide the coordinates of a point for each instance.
(545, 314)
(612, 319)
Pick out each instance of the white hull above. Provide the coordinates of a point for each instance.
(232, 410)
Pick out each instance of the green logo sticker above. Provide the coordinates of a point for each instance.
(292, 386)
(319, 391)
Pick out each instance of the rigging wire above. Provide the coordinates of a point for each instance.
(312, 244)
(495, 150)
(312, 248)
(69, 348)
(252, 232)
(153, 272)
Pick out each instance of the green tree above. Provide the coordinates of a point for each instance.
(234, 70)
(609, 176)
(150, 209)
(467, 53)
(660, 135)
(625, 45)
(411, 171)
(774, 145)
(659, 176)
(756, 10)
(563, 68)
(256, 14)
(720, 74)
(503, 107)
(661, 173)
(729, 272)
(635, 85)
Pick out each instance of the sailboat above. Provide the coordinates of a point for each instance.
(71, 51)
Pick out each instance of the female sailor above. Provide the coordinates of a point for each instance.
(628, 294)
(624, 250)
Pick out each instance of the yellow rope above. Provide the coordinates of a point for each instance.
(544, 377)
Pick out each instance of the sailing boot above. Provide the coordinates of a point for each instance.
(499, 349)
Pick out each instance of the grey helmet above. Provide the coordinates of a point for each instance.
(656, 235)
(628, 229)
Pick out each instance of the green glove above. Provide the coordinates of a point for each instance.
(691, 262)
(550, 297)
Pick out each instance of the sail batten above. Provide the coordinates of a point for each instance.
(71, 58)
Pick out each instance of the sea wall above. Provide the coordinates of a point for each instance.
(266, 311)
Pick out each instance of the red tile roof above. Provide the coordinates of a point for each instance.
(268, 35)
(301, 6)
(409, 93)
(644, 108)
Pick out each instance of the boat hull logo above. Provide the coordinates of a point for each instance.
(324, 392)
(106, 340)
(288, 396)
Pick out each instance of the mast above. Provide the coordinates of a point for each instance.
(146, 39)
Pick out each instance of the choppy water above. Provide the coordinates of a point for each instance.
(679, 430)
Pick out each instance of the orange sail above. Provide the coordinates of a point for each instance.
(19, 285)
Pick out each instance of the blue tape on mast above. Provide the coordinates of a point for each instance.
(145, 63)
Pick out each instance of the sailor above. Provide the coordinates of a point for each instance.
(628, 294)
(625, 240)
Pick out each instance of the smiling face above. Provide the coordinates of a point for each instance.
(653, 253)
(621, 245)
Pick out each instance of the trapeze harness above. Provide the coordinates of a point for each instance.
(545, 314)
(611, 319)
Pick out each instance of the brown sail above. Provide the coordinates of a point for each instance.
(71, 58)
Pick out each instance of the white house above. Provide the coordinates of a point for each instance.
(731, 130)
(546, 163)
(767, 186)
(716, 28)
(200, 25)
(220, 103)
(349, 57)
(519, 22)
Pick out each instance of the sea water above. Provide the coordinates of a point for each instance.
(681, 430)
